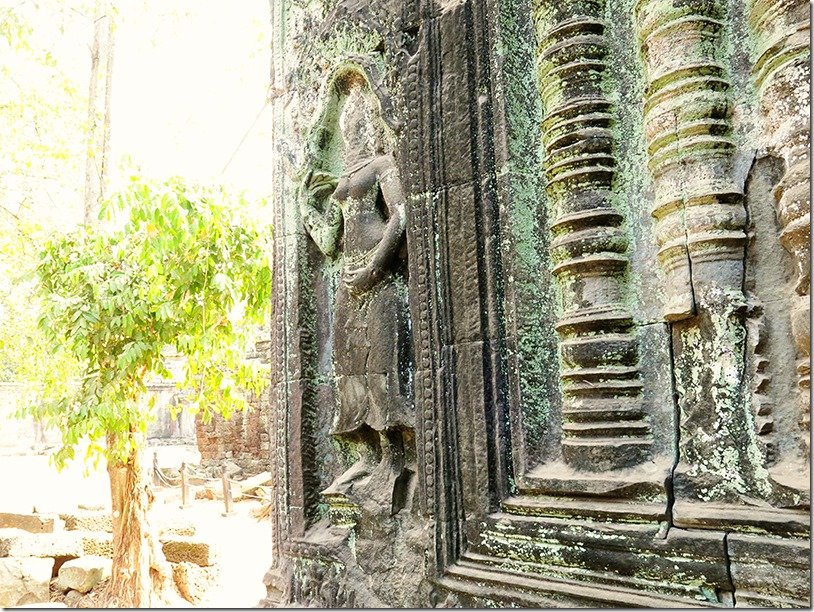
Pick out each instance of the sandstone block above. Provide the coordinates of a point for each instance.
(193, 581)
(214, 490)
(19, 543)
(72, 598)
(180, 548)
(24, 580)
(84, 573)
(99, 544)
(35, 523)
(251, 484)
(88, 521)
(232, 469)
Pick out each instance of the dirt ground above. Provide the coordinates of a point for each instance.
(243, 543)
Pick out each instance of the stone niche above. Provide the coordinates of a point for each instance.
(540, 323)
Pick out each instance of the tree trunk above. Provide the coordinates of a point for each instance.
(141, 575)
(101, 75)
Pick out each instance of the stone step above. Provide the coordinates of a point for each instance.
(582, 508)
(474, 575)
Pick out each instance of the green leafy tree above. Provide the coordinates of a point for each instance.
(184, 272)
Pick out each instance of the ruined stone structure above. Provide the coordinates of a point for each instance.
(541, 306)
(242, 439)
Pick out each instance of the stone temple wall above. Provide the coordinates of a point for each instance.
(243, 439)
(540, 329)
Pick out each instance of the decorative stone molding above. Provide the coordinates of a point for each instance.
(781, 73)
(604, 425)
(698, 206)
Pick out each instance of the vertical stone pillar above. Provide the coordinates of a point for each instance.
(698, 207)
(700, 229)
(781, 73)
(604, 425)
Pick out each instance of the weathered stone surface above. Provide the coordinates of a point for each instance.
(192, 580)
(252, 483)
(88, 521)
(72, 598)
(84, 573)
(178, 549)
(97, 543)
(604, 367)
(19, 543)
(24, 580)
(770, 572)
(35, 523)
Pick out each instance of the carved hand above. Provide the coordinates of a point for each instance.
(320, 184)
(363, 279)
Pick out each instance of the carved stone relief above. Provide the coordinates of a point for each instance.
(698, 205)
(488, 388)
(781, 73)
(604, 424)
(360, 214)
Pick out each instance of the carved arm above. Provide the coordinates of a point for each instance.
(363, 279)
(393, 233)
(323, 227)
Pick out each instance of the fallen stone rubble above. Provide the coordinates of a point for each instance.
(59, 559)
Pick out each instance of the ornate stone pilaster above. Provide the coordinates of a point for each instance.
(698, 206)
(781, 74)
(604, 425)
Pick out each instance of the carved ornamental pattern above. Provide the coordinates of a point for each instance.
(698, 206)
(604, 425)
(782, 74)
(591, 355)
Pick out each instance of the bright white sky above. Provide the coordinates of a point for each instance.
(190, 77)
(190, 80)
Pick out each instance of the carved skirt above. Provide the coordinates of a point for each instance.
(372, 358)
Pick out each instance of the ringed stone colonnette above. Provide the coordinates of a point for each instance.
(540, 322)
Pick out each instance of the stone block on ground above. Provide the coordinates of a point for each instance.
(88, 521)
(34, 523)
(193, 581)
(24, 580)
(97, 543)
(84, 573)
(19, 543)
(180, 548)
(72, 598)
(176, 527)
(233, 470)
(251, 484)
(214, 490)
